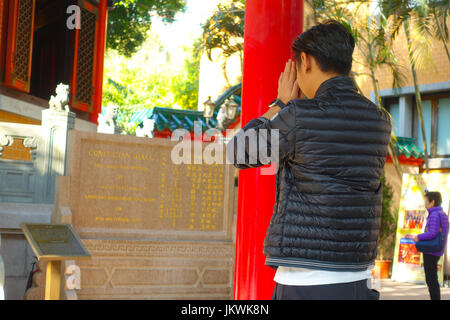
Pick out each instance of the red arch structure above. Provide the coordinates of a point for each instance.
(270, 29)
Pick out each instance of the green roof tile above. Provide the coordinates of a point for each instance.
(172, 119)
(408, 148)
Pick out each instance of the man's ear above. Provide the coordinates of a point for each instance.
(306, 61)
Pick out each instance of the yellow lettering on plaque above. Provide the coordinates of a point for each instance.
(108, 154)
(140, 156)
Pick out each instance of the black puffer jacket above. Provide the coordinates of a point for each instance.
(332, 150)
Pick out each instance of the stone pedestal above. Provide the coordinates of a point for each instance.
(56, 125)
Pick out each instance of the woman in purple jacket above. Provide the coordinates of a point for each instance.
(436, 220)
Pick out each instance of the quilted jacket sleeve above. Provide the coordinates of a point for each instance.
(263, 141)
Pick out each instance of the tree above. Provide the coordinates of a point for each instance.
(185, 84)
(440, 10)
(411, 15)
(430, 18)
(130, 20)
(413, 62)
(388, 224)
(151, 78)
(225, 30)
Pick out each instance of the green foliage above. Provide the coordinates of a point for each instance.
(417, 18)
(185, 85)
(130, 20)
(224, 30)
(386, 239)
(151, 78)
(123, 121)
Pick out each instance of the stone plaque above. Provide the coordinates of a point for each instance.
(54, 241)
(128, 187)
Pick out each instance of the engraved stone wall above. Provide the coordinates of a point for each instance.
(155, 229)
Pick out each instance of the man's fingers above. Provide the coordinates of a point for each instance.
(295, 91)
(290, 74)
(287, 82)
(295, 86)
(280, 79)
(293, 75)
(287, 67)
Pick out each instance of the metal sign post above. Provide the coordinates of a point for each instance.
(54, 243)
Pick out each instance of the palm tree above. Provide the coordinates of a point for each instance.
(432, 19)
(416, 90)
(443, 34)
(412, 15)
(225, 30)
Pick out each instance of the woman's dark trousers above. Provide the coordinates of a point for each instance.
(431, 276)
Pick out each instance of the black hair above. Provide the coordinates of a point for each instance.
(330, 44)
(434, 195)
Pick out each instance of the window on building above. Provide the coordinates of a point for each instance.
(436, 115)
(426, 113)
(392, 106)
(443, 132)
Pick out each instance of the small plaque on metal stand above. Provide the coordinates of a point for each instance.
(54, 243)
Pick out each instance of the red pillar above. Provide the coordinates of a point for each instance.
(101, 43)
(270, 29)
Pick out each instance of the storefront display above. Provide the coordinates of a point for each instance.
(412, 218)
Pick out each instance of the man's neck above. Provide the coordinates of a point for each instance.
(321, 78)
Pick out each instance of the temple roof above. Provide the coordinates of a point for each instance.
(408, 148)
(172, 119)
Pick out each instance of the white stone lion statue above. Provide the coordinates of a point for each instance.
(60, 102)
(147, 129)
(108, 123)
